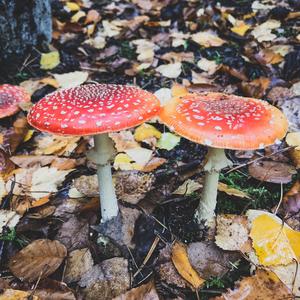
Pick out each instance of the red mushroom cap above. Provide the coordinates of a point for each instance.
(10, 97)
(225, 121)
(92, 109)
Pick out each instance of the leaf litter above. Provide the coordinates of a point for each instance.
(49, 193)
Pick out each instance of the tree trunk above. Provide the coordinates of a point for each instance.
(24, 24)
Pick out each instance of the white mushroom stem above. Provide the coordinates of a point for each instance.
(102, 155)
(216, 160)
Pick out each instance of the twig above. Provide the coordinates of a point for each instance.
(281, 198)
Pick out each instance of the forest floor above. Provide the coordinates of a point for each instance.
(50, 246)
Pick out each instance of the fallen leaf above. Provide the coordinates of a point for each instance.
(10, 294)
(181, 262)
(45, 180)
(232, 233)
(76, 17)
(232, 191)
(153, 164)
(293, 139)
(49, 60)
(263, 32)
(188, 187)
(98, 283)
(3, 191)
(140, 155)
(209, 260)
(123, 140)
(240, 28)
(291, 108)
(78, 263)
(8, 218)
(6, 165)
(170, 70)
(74, 233)
(168, 141)
(146, 292)
(256, 88)
(290, 276)
(207, 39)
(209, 66)
(146, 131)
(277, 243)
(49, 289)
(263, 285)
(29, 161)
(37, 260)
(163, 95)
(291, 199)
(272, 171)
(71, 6)
(55, 144)
(72, 79)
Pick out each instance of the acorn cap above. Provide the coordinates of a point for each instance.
(10, 97)
(225, 121)
(93, 109)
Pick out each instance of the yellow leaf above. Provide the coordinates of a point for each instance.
(123, 162)
(207, 39)
(28, 135)
(184, 267)
(10, 294)
(146, 131)
(293, 139)
(72, 6)
(75, 18)
(274, 242)
(49, 60)
(240, 28)
(231, 191)
(50, 81)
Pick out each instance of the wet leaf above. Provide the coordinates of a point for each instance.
(37, 260)
(181, 262)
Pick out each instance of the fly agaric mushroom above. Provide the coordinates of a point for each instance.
(10, 98)
(95, 109)
(222, 121)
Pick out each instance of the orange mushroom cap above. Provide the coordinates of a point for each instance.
(225, 121)
(93, 109)
(10, 97)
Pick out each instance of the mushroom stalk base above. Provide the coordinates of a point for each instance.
(102, 155)
(216, 160)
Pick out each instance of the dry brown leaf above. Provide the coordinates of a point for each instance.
(78, 263)
(207, 39)
(49, 289)
(291, 200)
(263, 285)
(6, 165)
(272, 171)
(123, 140)
(29, 161)
(153, 164)
(37, 260)
(181, 262)
(54, 144)
(146, 292)
(232, 233)
(256, 88)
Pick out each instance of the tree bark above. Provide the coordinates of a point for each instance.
(24, 24)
